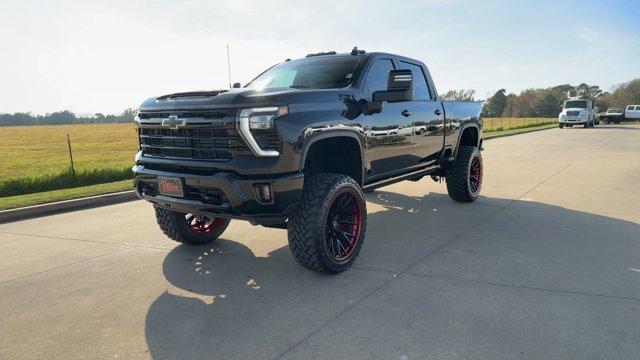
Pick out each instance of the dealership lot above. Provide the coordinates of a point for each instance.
(546, 264)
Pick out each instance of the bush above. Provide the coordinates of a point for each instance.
(63, 180)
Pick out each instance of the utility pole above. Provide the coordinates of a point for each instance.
(229, 66)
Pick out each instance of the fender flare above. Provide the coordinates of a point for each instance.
(462, 130)
(327, 134)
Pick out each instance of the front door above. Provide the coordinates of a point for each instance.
(389, 133)
(428, 117)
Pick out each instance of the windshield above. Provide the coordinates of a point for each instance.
(326, 72)
(582, 104)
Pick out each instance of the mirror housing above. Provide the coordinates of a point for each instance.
(399, 87)
(236, 85)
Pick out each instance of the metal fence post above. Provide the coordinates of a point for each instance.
(73, 170)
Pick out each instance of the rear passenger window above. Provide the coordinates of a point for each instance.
(420, 88)
(377, 77)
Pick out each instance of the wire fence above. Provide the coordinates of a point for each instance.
(498, 124)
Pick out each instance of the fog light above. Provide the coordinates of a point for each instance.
(264, 193)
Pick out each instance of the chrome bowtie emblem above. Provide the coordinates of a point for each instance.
(173, 122)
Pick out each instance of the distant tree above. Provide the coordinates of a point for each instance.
(546, 104)
(65, 117)
(591, 92)
(459, 95)
(622, 95)
(496, 104)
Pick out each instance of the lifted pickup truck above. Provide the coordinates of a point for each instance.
(297, 147)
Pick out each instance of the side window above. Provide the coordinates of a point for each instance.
(420, 88)
(377, 77)
(629, 108)
(637, 108)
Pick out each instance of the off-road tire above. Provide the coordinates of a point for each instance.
(306, 227)
(174, 225)
(561, 126)
(457, 175)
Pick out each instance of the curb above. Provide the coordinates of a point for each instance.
(66, 206)
(518, 133)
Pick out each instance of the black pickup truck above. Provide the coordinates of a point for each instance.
(298, 146)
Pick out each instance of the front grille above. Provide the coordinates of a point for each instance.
(573, 113)
(205, 135)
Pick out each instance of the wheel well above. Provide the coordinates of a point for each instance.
(336, 155)
(469, 137)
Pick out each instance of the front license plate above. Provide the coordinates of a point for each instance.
(170, 186)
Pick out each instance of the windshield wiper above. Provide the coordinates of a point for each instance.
(301, 87)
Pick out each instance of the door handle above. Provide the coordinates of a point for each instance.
(406, 113)
(438, 112)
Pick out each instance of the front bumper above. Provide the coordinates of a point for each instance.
(573, 120)
(224, 194)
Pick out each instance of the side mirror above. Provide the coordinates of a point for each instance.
(236, 85)
(399, 87)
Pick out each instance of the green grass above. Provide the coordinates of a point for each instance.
(62, 180)
(12, 202)
(489, 135)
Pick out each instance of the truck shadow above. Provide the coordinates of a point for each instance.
(224, 302)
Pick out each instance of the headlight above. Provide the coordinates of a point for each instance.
(262, 118)
(259, 119)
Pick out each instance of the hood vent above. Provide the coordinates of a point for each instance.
(191, 94)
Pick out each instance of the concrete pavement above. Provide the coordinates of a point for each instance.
(546, 264)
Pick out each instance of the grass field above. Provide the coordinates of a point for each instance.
(36, 150)
(500, 124)
(35, 155)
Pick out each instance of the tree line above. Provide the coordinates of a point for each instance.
(529, 103)
(65, 117)
(548, 102)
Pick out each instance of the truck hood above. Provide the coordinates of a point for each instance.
(238, 98)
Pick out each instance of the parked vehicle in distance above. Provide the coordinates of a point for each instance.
(632, 112)
(612, 116)
(577, 112)
(297, 146)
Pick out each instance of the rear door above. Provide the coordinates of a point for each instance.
(428, 116)
(388, 133)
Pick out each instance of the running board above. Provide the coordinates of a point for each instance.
(394, 179)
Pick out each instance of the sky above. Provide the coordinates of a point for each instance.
(104, 56)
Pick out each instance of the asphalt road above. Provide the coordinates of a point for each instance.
(546, 264)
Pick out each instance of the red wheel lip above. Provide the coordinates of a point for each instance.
(202, 226)
(356, 231)
(478, 174)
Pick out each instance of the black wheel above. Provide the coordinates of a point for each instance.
(586, 125)
(605, 121)
(464, 176)
(561, 126)
(327, 229)
(189, 228)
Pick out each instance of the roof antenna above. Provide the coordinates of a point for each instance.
(229, 67)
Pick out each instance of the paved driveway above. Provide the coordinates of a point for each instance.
(546, 264)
